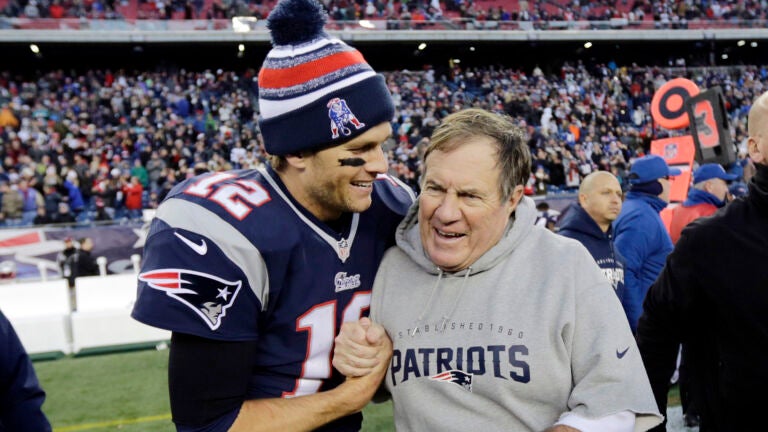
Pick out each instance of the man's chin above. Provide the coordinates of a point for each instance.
(359, 205)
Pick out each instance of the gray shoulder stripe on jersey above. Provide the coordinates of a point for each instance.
(234, 244)
(328, 239)
(404, 186)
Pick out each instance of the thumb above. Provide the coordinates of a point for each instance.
(375, 334)
(365, 323)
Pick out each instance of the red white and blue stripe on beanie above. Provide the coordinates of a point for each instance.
(315, 91)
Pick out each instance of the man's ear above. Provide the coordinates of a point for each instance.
(517, 195)
(754, 151)
(583, 199)
(298, 160)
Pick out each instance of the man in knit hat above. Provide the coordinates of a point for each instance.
(254, 271)
(641, 237)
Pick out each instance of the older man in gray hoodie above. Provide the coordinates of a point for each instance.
(497, 324)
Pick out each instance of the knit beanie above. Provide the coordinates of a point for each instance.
(315, 91)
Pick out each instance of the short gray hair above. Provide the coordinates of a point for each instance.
(513, 156)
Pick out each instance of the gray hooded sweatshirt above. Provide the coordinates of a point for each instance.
(529, 331)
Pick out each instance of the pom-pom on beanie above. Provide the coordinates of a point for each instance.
(315, 91)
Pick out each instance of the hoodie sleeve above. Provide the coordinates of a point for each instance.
(633, 244)
(608, 373)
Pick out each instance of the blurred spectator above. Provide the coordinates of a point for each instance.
(51, 201)
(102, 214)
(709, 193)
(74, 196)
(66, 261)
(140, 173)
(640, 235)
(546, 217)
(133, 192)
(42, 217)
(85, 263)
(155, 167)
(10, 205)
(64, 215)
(32, 200)
(8, 118)
(106, 187)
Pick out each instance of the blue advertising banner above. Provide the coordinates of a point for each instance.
(34, 248)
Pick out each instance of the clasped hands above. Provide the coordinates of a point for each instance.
(362, 347)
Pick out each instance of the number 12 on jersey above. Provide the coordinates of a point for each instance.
(320, 323)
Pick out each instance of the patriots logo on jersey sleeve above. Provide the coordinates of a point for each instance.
(207, 295)
(455, 376)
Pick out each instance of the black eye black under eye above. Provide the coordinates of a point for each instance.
(353, 162)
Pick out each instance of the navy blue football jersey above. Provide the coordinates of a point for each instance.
(232, 256)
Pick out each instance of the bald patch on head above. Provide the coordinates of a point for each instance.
(757, 114)
(593, 180)
(757, 127)
(601, 197)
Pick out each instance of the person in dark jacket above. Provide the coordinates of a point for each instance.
(708, 194)
(21, 396)
(712, 297)
(590, 222)
(85, 263)
(66, 261)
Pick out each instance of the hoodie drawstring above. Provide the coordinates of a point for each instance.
(429, 301)
(456, 300)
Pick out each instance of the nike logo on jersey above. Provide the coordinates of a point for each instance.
(200, 249)
(620, 354)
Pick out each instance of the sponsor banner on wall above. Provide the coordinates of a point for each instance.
(35, 248)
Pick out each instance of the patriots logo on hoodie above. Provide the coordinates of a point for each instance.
(455, 376)
(207, 295)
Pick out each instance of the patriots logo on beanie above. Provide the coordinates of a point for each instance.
(315, 91)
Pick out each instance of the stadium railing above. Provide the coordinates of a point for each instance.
(240, 25)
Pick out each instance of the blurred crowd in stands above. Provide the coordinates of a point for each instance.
(410, 14)
(105, 145)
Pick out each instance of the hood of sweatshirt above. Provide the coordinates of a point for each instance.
(577, 219)
(408, 238)
(518, 227)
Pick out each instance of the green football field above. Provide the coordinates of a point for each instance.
(128, 392)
